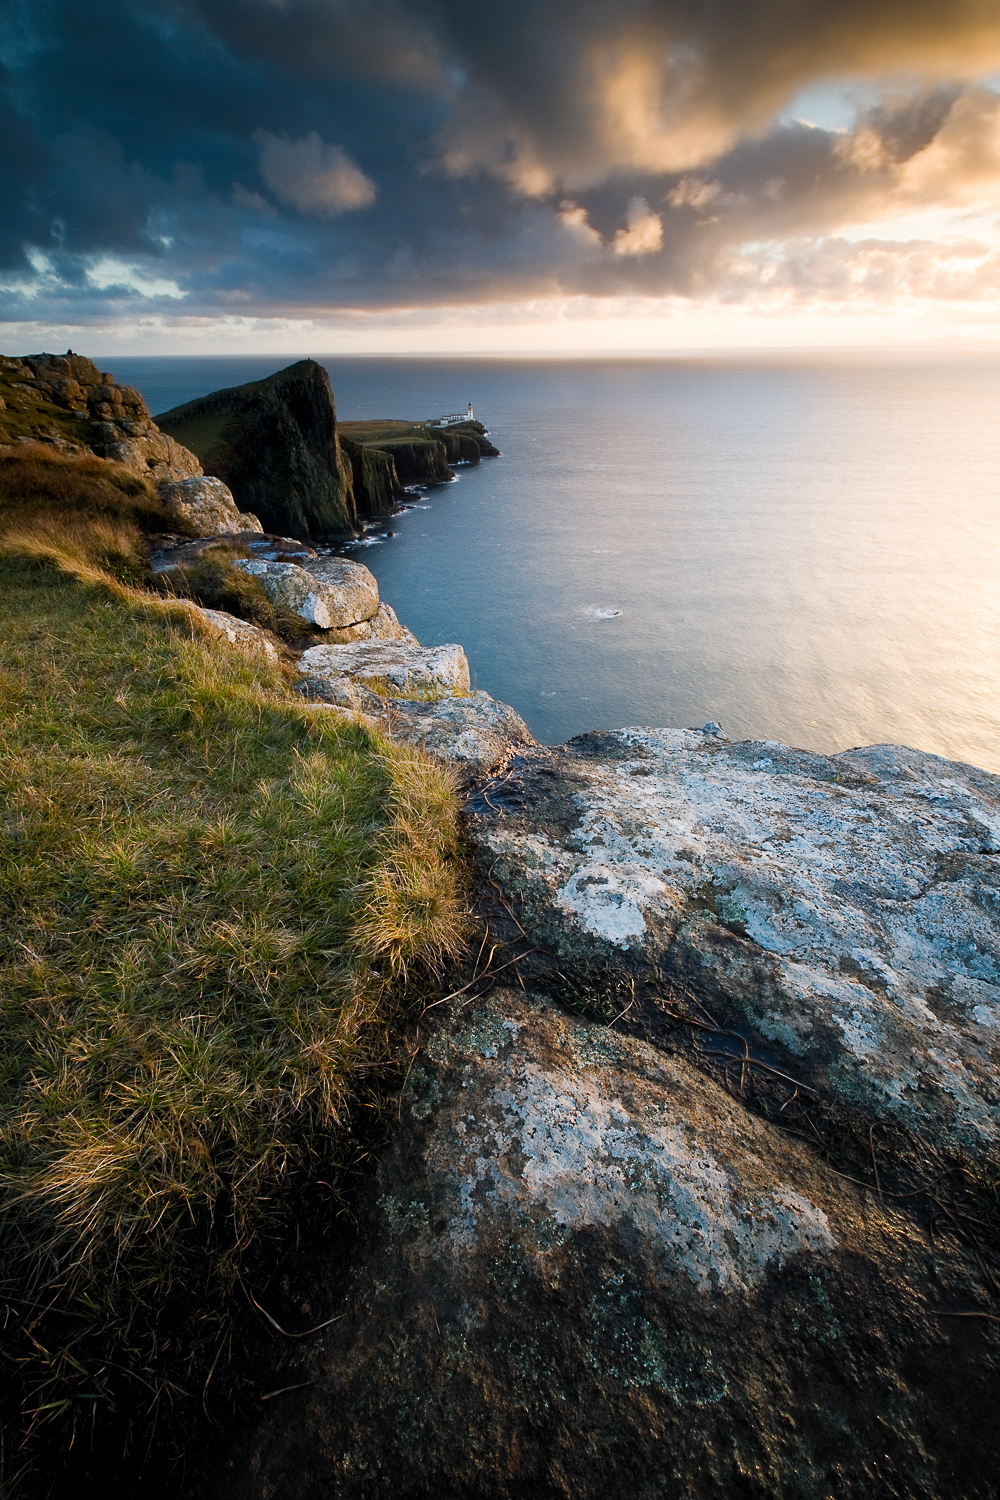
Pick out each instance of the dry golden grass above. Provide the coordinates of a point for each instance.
(212, 894)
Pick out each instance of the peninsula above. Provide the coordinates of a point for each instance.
(278, 446)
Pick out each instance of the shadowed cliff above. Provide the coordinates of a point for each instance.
(278, 446)
(275, 444)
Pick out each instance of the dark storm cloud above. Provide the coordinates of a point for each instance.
(286, 156)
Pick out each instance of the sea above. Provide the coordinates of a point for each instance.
(802, 548)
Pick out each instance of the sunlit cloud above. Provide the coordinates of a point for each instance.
(111, 273)
(312, 176)
(374, 163)
(644, 232)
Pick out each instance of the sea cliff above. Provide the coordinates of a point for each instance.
(688, 1183)
(278, 445)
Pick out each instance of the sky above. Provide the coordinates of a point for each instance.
(532, 176)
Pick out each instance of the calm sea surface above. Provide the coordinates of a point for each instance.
(804, 549)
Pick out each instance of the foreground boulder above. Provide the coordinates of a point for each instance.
(390, 668)
(843, 910)
(338, 597)
(476, 734)
(206, 505)
(587, 1272)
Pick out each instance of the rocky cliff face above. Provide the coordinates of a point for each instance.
(64, 399)
(378, 488)
(739, 1240)
(275, 444)
(388, 455)
(588, 1272)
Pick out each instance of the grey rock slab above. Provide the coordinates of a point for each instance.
(478, 735)
(847, 908)
(587, 1272)
(401, 667)
(355, 585)
(385, 626)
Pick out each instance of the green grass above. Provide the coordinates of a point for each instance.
(209, 438)
(381, 430)
(215, 583)
(212, 894)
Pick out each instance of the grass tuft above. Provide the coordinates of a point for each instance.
(215, 583)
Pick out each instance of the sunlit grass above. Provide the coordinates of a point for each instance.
(211, 893)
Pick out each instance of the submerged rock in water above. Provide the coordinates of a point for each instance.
(588, 1272)
(845, 909)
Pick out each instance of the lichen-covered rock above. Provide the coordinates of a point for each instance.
(150, 453)
(335, 598)
(391, 668)
(353, 588)
(587, 1272)
(845, 908)
(207, 504)
(291, 588)
(237, 632)
(476, 734)
(384, 626)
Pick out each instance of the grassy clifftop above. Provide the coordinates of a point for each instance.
(212, 894)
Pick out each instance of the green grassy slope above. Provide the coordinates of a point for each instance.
(211, 893)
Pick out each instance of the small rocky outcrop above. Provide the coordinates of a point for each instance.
(476, 734)
(336, 596)
(64, 399)
(207, 505)
(343, 674)
(586, 1272)
(256, 543)
(842, 912)
(275, 444)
